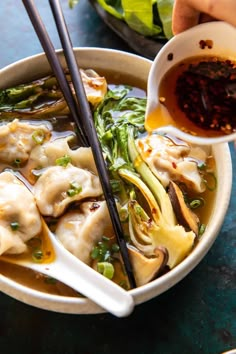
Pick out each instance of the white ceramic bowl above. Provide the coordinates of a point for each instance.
(207, 39)
(131, 65)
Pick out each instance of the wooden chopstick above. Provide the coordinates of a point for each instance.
(85, 123)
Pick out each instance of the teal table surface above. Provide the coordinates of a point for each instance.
(196, 316)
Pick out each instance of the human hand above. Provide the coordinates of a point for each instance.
(188, 13)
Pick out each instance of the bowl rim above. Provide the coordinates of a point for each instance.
(72, 305)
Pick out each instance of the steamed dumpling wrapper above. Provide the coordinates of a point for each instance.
(59, 186)
(95, 86)
(47, 154)
(17, 139)
(17, 207)
(80, 230)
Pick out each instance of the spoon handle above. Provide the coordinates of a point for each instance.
(82, 278)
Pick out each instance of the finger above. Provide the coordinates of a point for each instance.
(186, 13)
(205, 18)
(184, 16)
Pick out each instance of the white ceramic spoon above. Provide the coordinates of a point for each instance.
(71, 271)
(180, 47)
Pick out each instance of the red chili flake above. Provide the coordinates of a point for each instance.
(170, 56)
(174, 165)
(207, 43)
(201, 94)
(154, 211)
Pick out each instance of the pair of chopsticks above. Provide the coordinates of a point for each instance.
(80, 110)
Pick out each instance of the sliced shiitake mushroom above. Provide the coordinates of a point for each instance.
(146, 269)
(184, 214)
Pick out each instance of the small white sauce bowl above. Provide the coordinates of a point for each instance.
(185, 45)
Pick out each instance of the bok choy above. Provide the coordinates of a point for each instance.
(119, 120)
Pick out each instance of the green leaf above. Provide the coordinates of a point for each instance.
(138, 14)
(113, 7)
(165, 13)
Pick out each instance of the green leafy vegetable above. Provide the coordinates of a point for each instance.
(165, 12)
(139, 16)
(115, 118)
(113, 7)
(119, 120)
(41, 98)
(150, 18)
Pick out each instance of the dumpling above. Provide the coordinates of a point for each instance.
(47, 154)
(19, 217)
(81, 229)
(18, 138)
(59, 186)
(95, 86)
(170, 161)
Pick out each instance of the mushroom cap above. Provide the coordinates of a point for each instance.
(146, 269)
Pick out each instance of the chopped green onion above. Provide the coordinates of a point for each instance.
(95, 253)
(71, 192)
(115, 248)
(202, 229)
(211, 181)
(50, 280)
(38, 136)
(63, 161)
(75, 185)
(102, 252)
(37, 255)
(74, 189)
(196, 203)
(201, 166)
(106, 269)
(105, 238)
(17, 162)
(14, 226)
